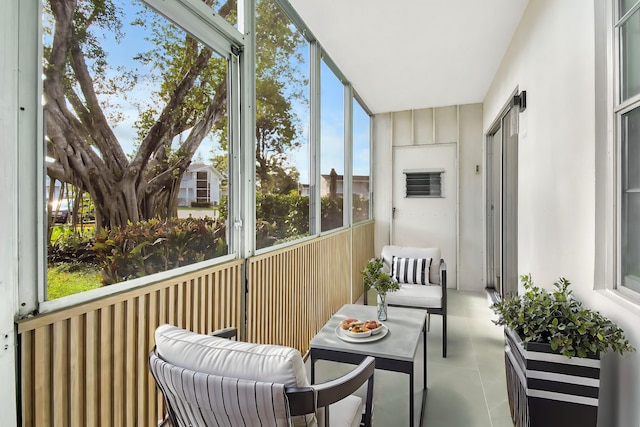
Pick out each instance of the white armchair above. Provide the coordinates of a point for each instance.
(427, 292)
(213, 381)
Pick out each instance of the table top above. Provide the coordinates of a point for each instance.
(401, 342)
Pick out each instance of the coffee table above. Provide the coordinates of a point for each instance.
(396, 351)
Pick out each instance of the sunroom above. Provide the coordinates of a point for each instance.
(314, 117)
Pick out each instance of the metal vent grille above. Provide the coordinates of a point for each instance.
(424, 184)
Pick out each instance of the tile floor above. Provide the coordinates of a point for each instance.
(467, 389)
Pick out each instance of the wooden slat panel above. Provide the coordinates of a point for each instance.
(106, 357)
(77, 373)
(295, 290)
(132, 357)
(92, 369)
(27, 373)
(363, 250)
(61, 369)
(141, 368)
(119, 372)
(42, 376)
(87, 365)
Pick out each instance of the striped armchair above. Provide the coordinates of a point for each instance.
(212, 381)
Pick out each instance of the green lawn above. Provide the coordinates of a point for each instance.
(66, 279)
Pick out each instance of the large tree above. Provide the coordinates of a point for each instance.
(188, 101)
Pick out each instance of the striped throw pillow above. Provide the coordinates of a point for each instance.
(411, 270)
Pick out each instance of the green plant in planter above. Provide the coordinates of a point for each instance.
(375, 278)
(556, 318)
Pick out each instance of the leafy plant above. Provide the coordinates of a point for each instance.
(71, 247)
(148, 247)
(558, 319)
(375, 278)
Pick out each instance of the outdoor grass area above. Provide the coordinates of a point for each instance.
(71, 278)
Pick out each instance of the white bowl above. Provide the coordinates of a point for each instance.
(376, 330)
(357, 334)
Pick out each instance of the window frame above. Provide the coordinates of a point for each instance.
(193, 17)
(618, 108)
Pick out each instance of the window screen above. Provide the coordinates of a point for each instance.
(424, 184)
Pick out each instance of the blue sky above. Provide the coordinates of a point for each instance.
(332, 98)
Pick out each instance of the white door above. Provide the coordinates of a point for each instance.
(427, 221)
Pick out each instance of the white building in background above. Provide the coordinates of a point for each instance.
(360, 185)
(201, 183)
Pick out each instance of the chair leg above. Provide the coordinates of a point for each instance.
(444, 334)
(428, 321)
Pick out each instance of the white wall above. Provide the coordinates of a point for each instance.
(457, 125)
(471, 211)
(552, 57)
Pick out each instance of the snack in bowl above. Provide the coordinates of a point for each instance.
(347, 323)
(373, 325)
(358, 330)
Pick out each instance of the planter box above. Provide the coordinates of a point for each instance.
(547, 389)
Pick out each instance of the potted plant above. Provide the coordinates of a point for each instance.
(552, 355)
(375, 278)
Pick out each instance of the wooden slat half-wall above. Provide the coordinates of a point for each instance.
(363, 250)
(295, 290)
(87, 365)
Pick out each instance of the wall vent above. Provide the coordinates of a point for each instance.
(424, 183)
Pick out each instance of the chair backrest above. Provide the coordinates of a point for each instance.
(199, 399)
(390, 251)
(261, 363)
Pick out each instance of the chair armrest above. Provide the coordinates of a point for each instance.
(229, 333)
(443, 273)
(304, 400)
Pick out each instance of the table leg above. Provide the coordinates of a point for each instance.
(411, 399)
(424, 358)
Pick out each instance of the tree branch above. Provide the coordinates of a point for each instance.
(103, 135)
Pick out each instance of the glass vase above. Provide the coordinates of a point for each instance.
(382, 306)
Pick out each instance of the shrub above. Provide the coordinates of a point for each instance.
(148, 247)
(71, 247)
(558, 319)
(201, 204)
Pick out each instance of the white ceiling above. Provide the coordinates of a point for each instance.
(409, 54)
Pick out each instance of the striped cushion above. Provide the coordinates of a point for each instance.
(237, 359)
(413, 271)
(199, 399)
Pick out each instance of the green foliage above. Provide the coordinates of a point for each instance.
(71, 278)
(331, 213)
(556, 318)
(200, 204)
(375, 278)
(148, 247)
(280, 216)
(360, 208)
(285, 217)
(69, 246)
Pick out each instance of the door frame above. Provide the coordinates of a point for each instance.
(502, 233)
